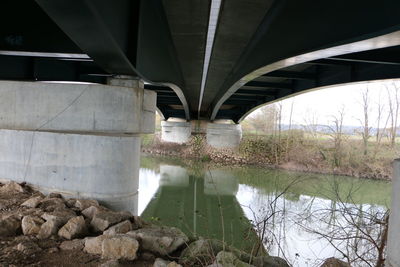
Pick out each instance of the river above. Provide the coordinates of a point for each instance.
(295, 214)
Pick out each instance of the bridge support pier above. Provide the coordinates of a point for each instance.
(393, 256)
(175, 131)
(219, 135)
(224, 135)
(82, 140)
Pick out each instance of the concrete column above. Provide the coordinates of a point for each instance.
(393, 255)
(82, 140)
(175, 131)
(224, 135)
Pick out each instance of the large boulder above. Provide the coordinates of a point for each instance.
(83, 204)
(75, 227)
(12, 187)
(48, 229)
(120, 228)
(333, 262)
(119, 247)
(54, 220)
(103, 219)
(159, 239)
(90, 212)
(203, 251)
(93, 245)
(31, 225)
(10, 226)
(32, 202)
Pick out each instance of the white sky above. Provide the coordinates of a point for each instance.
(326, 102)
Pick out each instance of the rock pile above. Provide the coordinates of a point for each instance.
(86, 226)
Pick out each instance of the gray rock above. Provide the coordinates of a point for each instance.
(93, 245)
(120, 228)
(333, 262)
(161, 240)
(12, 187)
(228, 259)
(138, 223)
(111, 263)
(90, 212)
(83, 204)
(10, 226)
(51, 204)
(160, 263)
(31, 225)
(61, 217)
(48, 229)
(173, 264)
(33, 202)
(77, 244)
(75, 227)
(104, 219)
(119, 247)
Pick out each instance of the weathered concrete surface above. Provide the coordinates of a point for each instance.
(224, 135)
(91, 108)
(175, 132)
(393, 256)
(77, 139)
(90, 166)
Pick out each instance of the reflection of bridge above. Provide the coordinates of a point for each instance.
(192, 204)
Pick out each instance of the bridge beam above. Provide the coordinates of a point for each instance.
(82, 140)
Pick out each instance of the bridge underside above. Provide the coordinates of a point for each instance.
(167, 43)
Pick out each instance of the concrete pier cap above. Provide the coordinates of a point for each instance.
(219, 134)
(224, 134)
(82, 140)
(176, 131)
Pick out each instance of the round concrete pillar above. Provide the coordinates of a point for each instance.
(82, 140)
(175, 131)
(224, 135)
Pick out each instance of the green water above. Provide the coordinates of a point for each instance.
(229, 204)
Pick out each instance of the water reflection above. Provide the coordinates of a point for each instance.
(202, 204)
(286, 209)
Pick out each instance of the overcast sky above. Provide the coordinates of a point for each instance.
(323, 103)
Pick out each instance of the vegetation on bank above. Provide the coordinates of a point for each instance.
(293, 150)
(333, 148)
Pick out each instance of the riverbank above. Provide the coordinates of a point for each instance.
(294, 155)
(39, 230)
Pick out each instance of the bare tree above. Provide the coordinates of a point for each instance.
(357, 231)
(394, 106)
(366, 129)
(381, 129)
(336, 134)
(289, 136)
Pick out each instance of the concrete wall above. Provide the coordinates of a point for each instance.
(175, 132)
(393, 255)
(224, 135)
(78, 139)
